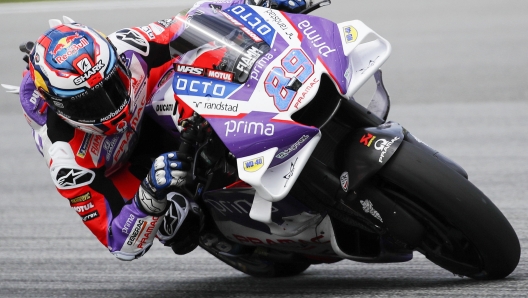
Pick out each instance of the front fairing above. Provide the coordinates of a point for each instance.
(253, 118)
(254, 115)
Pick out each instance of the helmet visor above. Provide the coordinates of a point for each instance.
(98, 104)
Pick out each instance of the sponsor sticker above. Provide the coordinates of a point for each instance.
(219, 75)
(384, 145)
(367, 139)
(291, 172)
(193, 85)
(293, 147)
(350, 34)
(189, 69)
(83, 149)
(368, 207)
(69, 178)
(83, 208)
(344, 181)
(134, 39)
(90, 216)
(136, 231)
(249, 128)
(66, 47)
(253, 165)
(82, 198)
(245, 62)
(165, 23)
(207, 72)
(91, 75)
(163, 108)
(316, 38)
(253, 24)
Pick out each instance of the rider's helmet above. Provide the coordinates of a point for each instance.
(82, 78)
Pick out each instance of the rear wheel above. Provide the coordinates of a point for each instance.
(465, 232)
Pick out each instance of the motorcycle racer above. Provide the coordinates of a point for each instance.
(84, 97)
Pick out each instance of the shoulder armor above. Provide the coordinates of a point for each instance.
(130, 39)
(65, 172)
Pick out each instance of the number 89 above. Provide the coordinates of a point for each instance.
(297, 65)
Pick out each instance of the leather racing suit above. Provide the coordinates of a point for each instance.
(100, 175)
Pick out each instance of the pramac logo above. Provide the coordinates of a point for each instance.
(122, 126)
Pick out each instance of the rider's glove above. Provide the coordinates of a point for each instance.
(284, 5)
(181, 225)
(168, 170)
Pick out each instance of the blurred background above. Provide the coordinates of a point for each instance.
(457, 79)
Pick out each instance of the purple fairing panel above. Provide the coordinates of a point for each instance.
(31, 101)
(250, 133)
(321, 40)
(257, 131)
(123, 224)
(235, 204)
(213, 7)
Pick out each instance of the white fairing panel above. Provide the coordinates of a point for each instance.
(366, 51)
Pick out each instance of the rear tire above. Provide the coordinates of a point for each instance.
(465, 232)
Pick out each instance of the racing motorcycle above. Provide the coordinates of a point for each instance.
(292, 171)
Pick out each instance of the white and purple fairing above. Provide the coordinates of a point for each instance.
(254, 118)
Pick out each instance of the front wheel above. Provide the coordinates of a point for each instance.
(465, 232)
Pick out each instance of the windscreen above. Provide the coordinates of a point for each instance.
(218, 42)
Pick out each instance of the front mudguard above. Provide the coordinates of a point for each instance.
(450, 163)
(367, 150)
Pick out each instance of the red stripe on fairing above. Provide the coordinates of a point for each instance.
(239, 184)
(285, 121)
(299, 34)
(183, 108)
(331, 75)
(239, 116)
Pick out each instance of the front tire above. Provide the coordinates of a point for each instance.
(465, 232)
